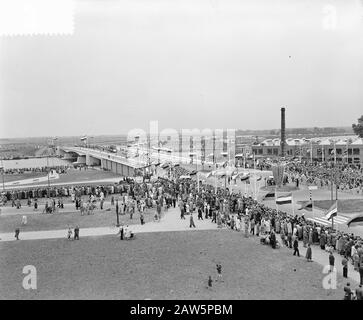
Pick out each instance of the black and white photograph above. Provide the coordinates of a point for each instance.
(181, 150)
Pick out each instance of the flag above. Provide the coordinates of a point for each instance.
(356, 221)
(271, 194)
(308, 206)
(332, 212)
(332, 152)
(284, 199)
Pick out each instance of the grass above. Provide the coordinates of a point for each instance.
(160, 266)
(39, 221)
(28, 175)
(344, 206)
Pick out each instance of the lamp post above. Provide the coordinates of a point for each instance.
(191, 154)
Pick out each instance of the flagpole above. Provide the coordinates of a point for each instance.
(254, 168)
(292, 203)
(312, 203)
(337, 212)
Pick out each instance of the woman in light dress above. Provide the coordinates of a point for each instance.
(267, 226)
(237, 223)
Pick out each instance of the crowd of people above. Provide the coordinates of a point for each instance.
(58, 169)
(345, 177)
(227, 209)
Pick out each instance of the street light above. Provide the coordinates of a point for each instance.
(191, 154)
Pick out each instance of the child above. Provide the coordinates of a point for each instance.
(210, 282)
(70, 232)
(17, 232)
(219, 271)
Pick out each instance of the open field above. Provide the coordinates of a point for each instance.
(160, 266)
(61, 220)
(22, 176)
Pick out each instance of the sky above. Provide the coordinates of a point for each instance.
(186, 64)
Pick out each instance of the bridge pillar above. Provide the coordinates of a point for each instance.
(81, 159)
(92, 161)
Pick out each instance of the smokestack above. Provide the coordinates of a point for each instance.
(283, 136)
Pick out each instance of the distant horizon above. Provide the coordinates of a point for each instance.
(125, 134)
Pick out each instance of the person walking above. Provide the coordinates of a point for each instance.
(200, 214)
(69, 234)
(76, 233)
(219, 271)
(121, 232)
(182, 214)
(331, 261)
(345, 266)
(191, 221)
(142, 218)
(308, 255)
(210, 282)
(296, 247)
(17, 232)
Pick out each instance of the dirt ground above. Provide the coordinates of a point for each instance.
(160, 266)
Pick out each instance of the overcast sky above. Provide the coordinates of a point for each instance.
(187, 64)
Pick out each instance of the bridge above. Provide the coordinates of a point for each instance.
(106, 160)
(140, 158)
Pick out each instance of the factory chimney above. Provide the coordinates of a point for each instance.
(283, 133)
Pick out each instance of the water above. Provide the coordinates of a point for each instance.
(34, 163)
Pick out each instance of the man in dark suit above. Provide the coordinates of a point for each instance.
(76, 233)
(296, 247)
(121, 232)
(331, 261)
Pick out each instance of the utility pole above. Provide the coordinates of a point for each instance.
(48, 175)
